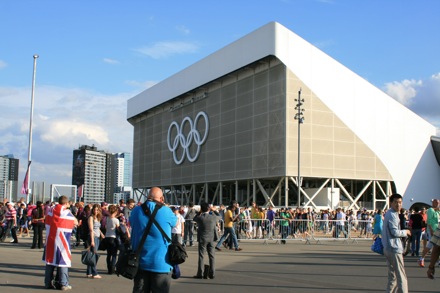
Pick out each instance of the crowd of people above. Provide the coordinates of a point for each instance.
(109, 228)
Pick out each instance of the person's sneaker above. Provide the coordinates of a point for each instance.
(238, 249)
(217, 248)
(421, 262)
(66, 287)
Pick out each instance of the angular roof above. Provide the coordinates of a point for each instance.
(399, 137)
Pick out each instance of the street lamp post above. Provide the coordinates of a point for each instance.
(300, 117)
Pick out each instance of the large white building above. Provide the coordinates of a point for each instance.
(224, 128)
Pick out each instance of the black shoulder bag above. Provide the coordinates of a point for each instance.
(128, 260)
(176, 252)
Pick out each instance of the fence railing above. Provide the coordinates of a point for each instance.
(283, 230)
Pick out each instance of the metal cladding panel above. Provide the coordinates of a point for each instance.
(238, 132)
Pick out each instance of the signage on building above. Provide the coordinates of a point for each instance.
(180, 139)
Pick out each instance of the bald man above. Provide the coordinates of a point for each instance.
(154, 269)
(431, 226)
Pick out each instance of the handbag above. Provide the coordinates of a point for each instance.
(89, 258)
(176, 252)
(128, 259)
(377, 246)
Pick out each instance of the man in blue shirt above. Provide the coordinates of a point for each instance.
(392, 246)
(270, 215)
(154, 268)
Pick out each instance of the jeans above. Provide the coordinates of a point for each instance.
(91, 270)
(416, 236)
(62, 277)
(340, 228)
(188, 232)
(284, 233)
(228, 231)
(10, 227)
(146, 282)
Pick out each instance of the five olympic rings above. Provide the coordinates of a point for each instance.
(186, 141)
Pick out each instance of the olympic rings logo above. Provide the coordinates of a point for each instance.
(185, 141)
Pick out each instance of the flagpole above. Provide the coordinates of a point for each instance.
(30, 129)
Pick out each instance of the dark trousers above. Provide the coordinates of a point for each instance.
(38, 235)
(13, 230)
(112, 252)
(146, 282)
(210, 248)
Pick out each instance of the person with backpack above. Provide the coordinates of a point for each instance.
(154, 267)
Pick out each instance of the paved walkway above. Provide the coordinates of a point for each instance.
(294, 267)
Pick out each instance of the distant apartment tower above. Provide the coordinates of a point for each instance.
(89, 173)
(8, 177)
(118, 184)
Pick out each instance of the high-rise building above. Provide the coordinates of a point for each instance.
(8, 177)
(123, 170)
(89, 173)
(118, 176)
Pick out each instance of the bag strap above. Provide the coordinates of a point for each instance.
(161, 230)
(147, 229)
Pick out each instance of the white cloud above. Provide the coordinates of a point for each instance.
(64, 118)
(3, 64)
(324, 44)
(403, 91)
(421, 96)
(110, 61)
(162, 50)
(141, 84)
(68, 133)
(183, 29)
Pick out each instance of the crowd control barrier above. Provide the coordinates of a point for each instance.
(308, 230)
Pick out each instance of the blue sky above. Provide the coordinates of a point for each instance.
(95, 55)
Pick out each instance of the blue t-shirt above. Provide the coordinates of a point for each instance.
(154, 256)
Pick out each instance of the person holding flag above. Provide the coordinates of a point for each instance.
(59, 224)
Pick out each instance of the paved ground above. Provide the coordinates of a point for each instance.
(294, 267)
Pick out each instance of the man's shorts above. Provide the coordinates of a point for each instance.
(435, 239)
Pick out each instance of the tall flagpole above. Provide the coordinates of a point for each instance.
(30, 129)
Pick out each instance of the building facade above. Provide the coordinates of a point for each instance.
(118, 175)
(89, 173)
(9, 168)
(101, 176)
(224, 129)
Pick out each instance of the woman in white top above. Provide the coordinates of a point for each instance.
(111, 238)
(94, 223)
(178, 230)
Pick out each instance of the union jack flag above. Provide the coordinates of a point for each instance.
(59, 225)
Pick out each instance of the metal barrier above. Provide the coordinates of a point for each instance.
(287, 230)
